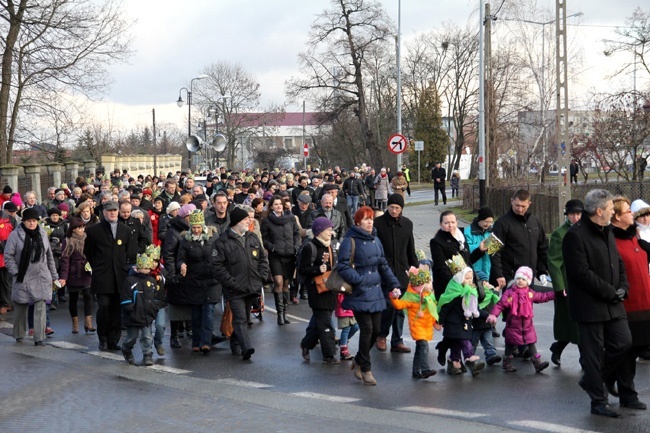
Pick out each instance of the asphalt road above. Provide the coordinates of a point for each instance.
(69, 386)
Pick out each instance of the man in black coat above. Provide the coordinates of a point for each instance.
(596, 288)
(139, 240)
(395, 232)
(524, 239)
(242, 272)
(439, 175)
(106, 249)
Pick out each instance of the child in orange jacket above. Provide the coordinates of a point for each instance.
(420, 302)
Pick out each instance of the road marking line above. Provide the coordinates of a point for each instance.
(66, 345)
(107, 355)
(334, 398)
(300, 319)
(168, 369)
(545, 426)
(444, 412)
(244, 383)
(4, 324)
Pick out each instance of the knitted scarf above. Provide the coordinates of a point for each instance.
(74, 243)
(427, 302)
(522, 303)
(455, 290)
(32, 250)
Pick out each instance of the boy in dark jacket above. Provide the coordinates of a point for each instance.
(139, 306)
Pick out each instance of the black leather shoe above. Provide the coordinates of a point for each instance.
(216, 339)
(604, 410)
(555, 355)
(305, 353)
(114, 347)
(103, 346)
(247, 355)
(636, 404)
(236, 351)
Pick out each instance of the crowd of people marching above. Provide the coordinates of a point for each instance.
(141, 252)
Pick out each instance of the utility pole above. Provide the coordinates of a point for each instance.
(481, 110)
(155, 148)
(562, 110)
(489, 95)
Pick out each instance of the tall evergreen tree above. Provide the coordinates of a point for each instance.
(429, 128)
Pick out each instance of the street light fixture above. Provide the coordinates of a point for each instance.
(189, 111)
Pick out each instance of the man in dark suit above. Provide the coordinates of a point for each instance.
(439, 175)
(597, 286)
(106, 249)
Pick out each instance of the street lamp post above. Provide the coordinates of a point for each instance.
(189, 111)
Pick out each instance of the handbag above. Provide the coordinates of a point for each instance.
(321, 280)
(335, 282)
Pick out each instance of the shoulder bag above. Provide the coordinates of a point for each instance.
(335, 282)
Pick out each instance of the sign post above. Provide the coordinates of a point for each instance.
(419, 147)
(305, 154)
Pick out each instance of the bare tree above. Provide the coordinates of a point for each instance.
(55, 46)
(634, 39)
(333, 65)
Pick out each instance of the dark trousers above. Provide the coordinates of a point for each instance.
(625, 375)
(603, 347)
(320, 329)
(369, 325)
(74, 300)
(395, 318)
(109, 318)
(240, 307)
(460, 349)
(5, 288)
(202, 324)
(442, 191)
(421, 356)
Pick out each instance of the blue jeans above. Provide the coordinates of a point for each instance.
(202, 325)
(132, 334)
(421, 357)
(487, 341)
(160, 327)
(353, 203)
(347, 333)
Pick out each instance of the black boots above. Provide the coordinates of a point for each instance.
(281, 307)
(174, 341)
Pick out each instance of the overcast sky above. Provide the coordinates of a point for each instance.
(172, 44)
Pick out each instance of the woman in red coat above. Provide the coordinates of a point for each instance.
(634, 253)
(154, 214)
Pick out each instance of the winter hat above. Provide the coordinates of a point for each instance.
(526, 273)
(320, 224)
(237, 215)
(418, 277)
(640, 208)
(63, 207)
(484, 213)
(10, 206)
(172, 206)
(7, 190)
(186, 209)
(576, 206)
(459, 277)
(395, 199)
(304, 198)
(30, 214)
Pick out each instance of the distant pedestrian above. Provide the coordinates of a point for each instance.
(454, 182)
(439, 177)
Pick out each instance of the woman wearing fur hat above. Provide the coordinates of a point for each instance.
(518, 301)
(399, 184)
(196, 267)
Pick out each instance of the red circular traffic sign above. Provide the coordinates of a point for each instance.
(397, 143)
(305, 150)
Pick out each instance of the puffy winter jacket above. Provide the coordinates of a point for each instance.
(200, 285)
(281, 234)
(370, 271)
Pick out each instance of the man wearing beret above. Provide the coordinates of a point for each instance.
(395, 232)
